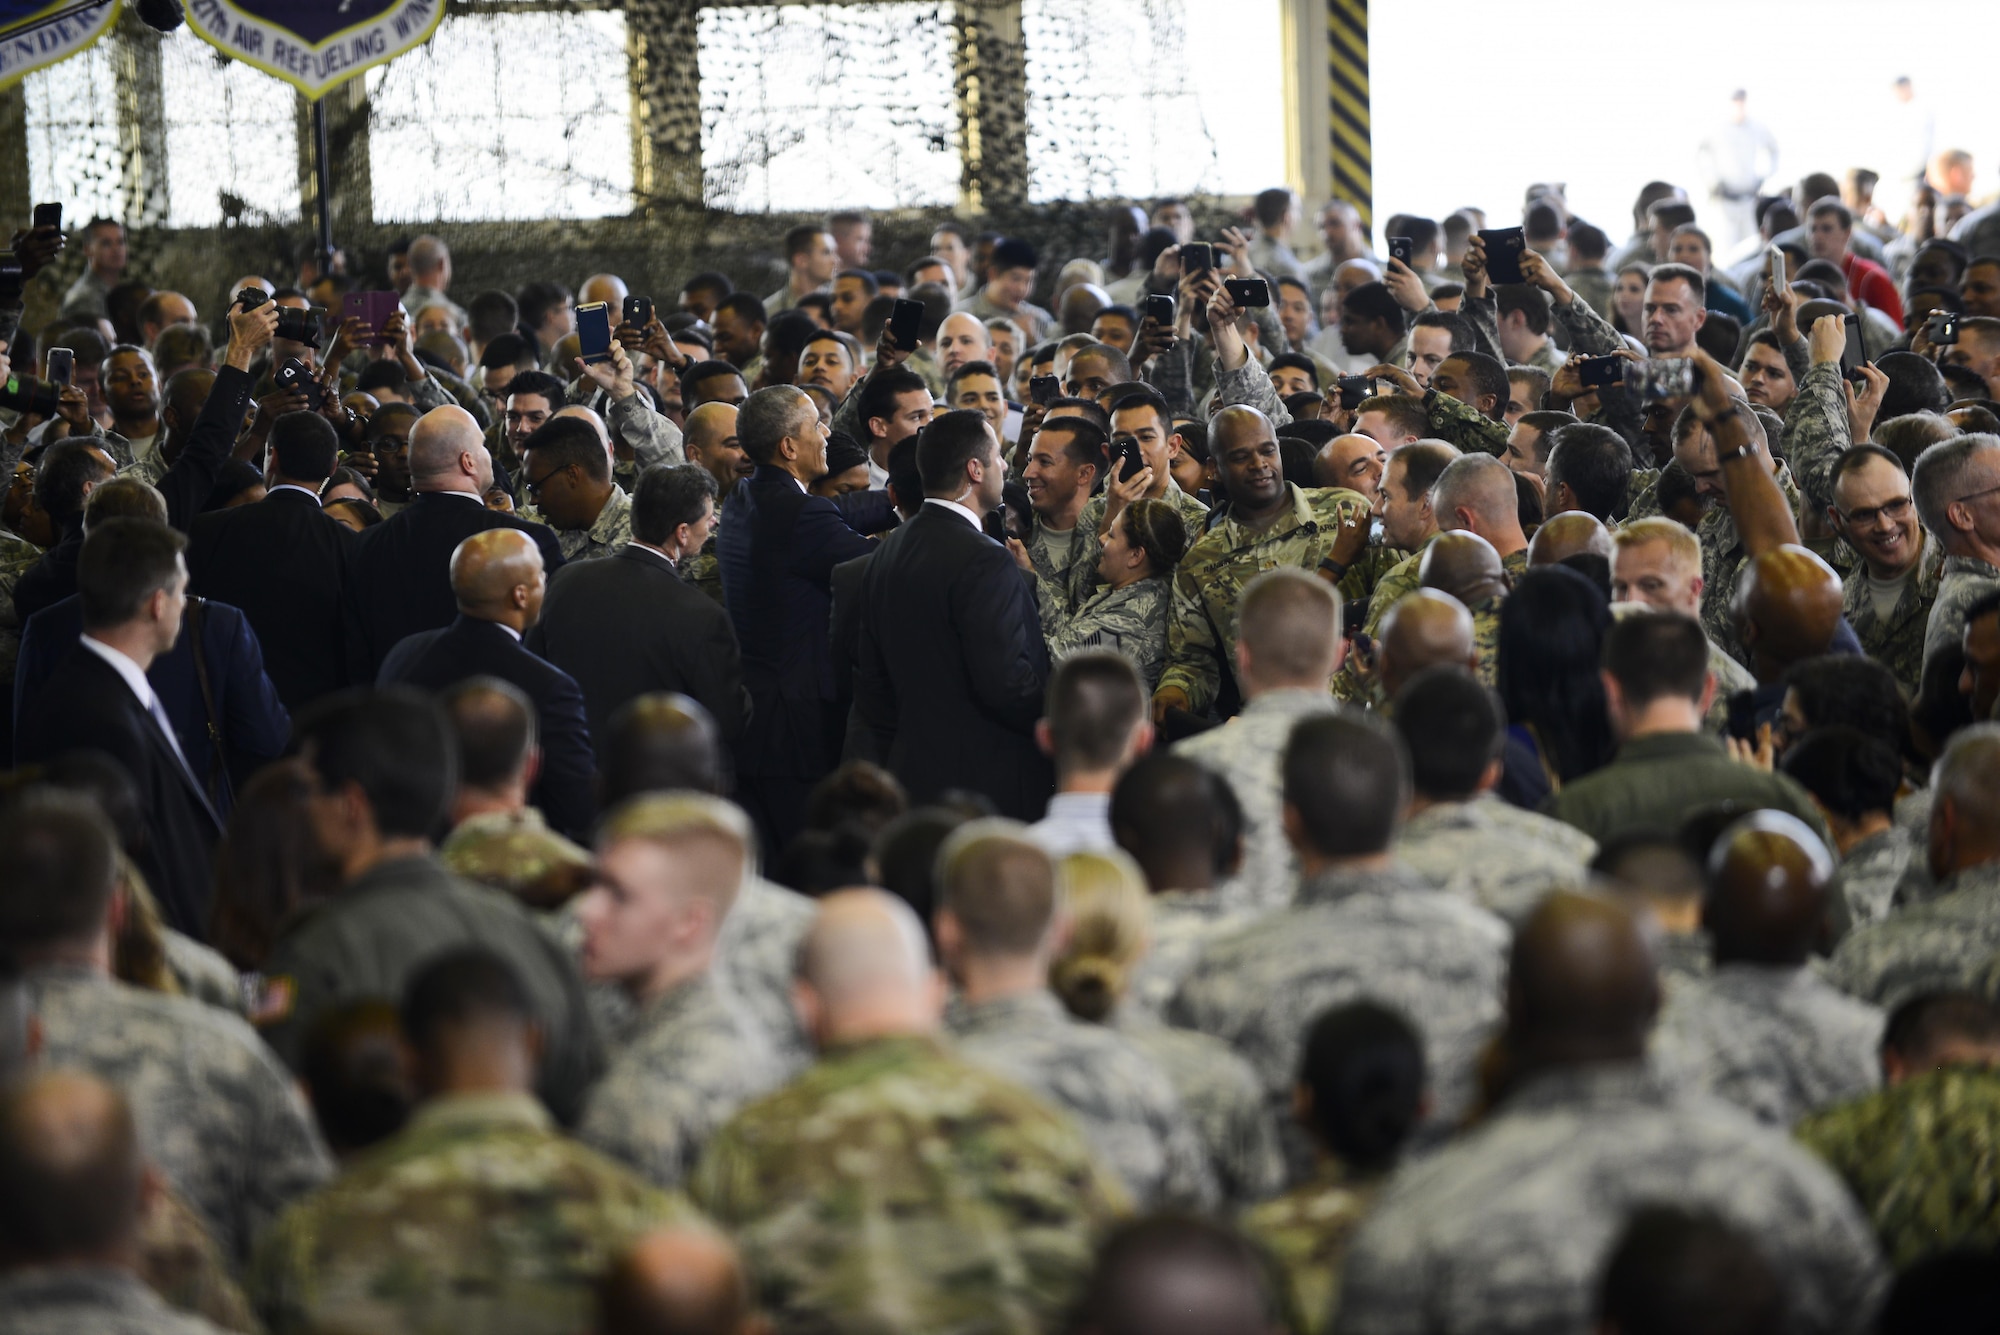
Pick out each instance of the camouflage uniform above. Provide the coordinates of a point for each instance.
(1486, 639)
(1774, 1040)
(1384, 935)
(1126, 1106)
(1208, 586)
(690, 1064)
(88, 1300)
(517, 852)
(1581, 329)
(215, 1111)
(1395, 584)
(1223, 1100)
(1730, 677)
(1052, 581)
(1307, 1231)
(1506, 1229)
(1464, 426)
(1131, 621)
(703, 570)
(1935, 946)
(894, 1187)
(1082, 578)
(1184, 922)
(179, 1261)
(1897, 640)
(1918, 1156)
(1963, 581)
(1865, 885)
(611, 530)
(756, 955)
(1565, 840)
(1722, 560)
(477, 1216)
(1247, 752)
(1460, 847)
(17, 555)
(202, 973)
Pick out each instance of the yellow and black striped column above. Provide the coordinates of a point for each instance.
(1351, 150)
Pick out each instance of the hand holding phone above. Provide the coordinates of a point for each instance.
(61, 366)
(1248, 292)
(1353, 389)
(638, 311)
(1044, 389)
(1160, 309)
(1504, 246)
(1402, 248)
(374, 309)
(906, 322)
(1855, 353)
(48, 215)
(1126, 461)
(593, 331)
(1197, 257)
(1597, 372)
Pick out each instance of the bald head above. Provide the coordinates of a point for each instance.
(1476, 493)
(605, 287)
(678, 1281)
(596, 423)
(1080, 305)
(186, 393)
(1463, 565)
(1965, 813)
(70, 1170)
(1178, 1275)
(1767, 880)
(495, 571)
(448, 453)
(1430, 628)
(1788, 606)
(657, 743)
(1351, 461)
(865, 969)
(1582, 984)
(1571, 533)
(1238, 424)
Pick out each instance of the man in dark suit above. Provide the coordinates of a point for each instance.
(68, 472)
(952, 666)
(284, 563)
(630, 624)
(131, 584)
(906, 493)
(497, 579)
(777, 554)
(399, 572)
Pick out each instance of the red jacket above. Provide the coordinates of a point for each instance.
(1870, 282)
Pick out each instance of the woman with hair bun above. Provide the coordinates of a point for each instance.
(1128, 612)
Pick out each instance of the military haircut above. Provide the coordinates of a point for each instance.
(1594, 461)
(1667, 273)
(1085, 444)
(1120, 365)
(1453, 727)
(660, 742)
(123, 564)
(124, 497)
(1488, 374)
(1675, 1271)
(467, 985)
(391, 742)
(1528, 300)
(1652, 655)
(352, 1068)
(539, 383)
(1967, 774)
(1364, 1066)
(70, 1169)
(494, 722)
(1290, 620)
(1848, 689)
(1348, 777)
(1652, 862)
(1128, 1292)
(304, 446)
(949, 442)
(685, 817)
(1423, 461)
(1372, 301)
(563, 442)
(1927, 1025)
(1461, 332)
(1936, 482)
(667, 496)
(58, 868)
(1000, 886)
(1096, 702)
(972, 368)
(881, 389)
(1165, 802)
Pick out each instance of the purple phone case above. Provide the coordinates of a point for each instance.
(377, 308)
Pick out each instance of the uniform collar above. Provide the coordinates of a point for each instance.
(474, 1110)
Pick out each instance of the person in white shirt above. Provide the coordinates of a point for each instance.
(1097, 723)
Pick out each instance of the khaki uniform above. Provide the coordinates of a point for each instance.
(517, 852)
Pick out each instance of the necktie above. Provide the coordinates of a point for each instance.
(159, 714)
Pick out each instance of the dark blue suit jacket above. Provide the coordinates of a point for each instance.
(254, 723)
(777, 550)
(566, 789)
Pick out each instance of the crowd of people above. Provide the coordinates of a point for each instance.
(1278, 789)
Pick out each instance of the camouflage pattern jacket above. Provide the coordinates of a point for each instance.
(1896, 641)
(517, 852)
(611, 530)
(88, 1300)
(1504, 868)
(1506, 1229)
(1307, 1231)
(1963, 581)
(1937, 946)
(1131, 621)
(896, 1188)
(1222, 1098)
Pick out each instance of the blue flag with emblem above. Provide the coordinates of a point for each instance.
(314, 45)
(35, 34)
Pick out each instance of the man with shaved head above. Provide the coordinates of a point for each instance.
(678, 1281)
(962, 338)
(1180, 1276)
(1352, 461)
(1430, 628)
(1182, 824)
(1466, 566)
(895, 1185)
(1764, 1031)
(1787, 609)
(1288, 645)
(1507, 1229)
(712, 442)
(1571, 533)
(1945, 942)
(1475, 494)
(399, 577)
(498, 581)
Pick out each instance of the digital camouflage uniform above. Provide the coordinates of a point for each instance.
(1052, 581)
(477, 1216)
(1131, 621)
(17, 555)
(1774, 1040)
(1897, 640)
(1565, 840)
(179, 1261)
(1081, 579)
(897, 1188)
(1208, 586)
(1730, 677)
(1223, 1100)
(1126, 1106)
(611, 530)
(1722, 560)
(756, 955)
(1963, 581)
(1383, 935)
(1460, 847)
(1919, 1157)
(1486, 639)
(215, 1111)
(1864, 886)
(1506, 1229)
(89, 1300)
(688, 1065)
(1184, 921)
(517, 852)
(1307, 1231)
(702, 569)
(202, 973)
(1396, 583)
(1247, 752)
(1937, 946)
(1402, 580)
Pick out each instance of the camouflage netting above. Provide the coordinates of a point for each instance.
(653, 139)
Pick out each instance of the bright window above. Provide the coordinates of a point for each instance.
(232, 131)
(73, 153)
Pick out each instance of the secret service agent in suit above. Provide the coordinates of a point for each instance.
(284, 563)
(498, 581)
(630, 624)
(777, 552)
(131, 583)
(952, 666)
(399, 572)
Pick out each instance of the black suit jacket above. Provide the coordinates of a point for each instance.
(86, 706)
(566, 789)
(627, 625)
(399, 573)
(777, 555)
(284, 563)
(844, 643)
(952, 667)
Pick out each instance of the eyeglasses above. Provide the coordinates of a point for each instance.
(1973, 496)
(534, 487)
(1895, 512)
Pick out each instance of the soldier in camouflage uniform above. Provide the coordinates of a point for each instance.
(1131, 621)
(755, 957)
(1869, 873)
(894, 1186)
(180, 1262)
(1949, 479)
(17, 555)
(1464, 565)
(517, 852)
(1506, 1229)
(611, 529)
(1764, 1031)
(477, 1215)
(1918, 1155)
